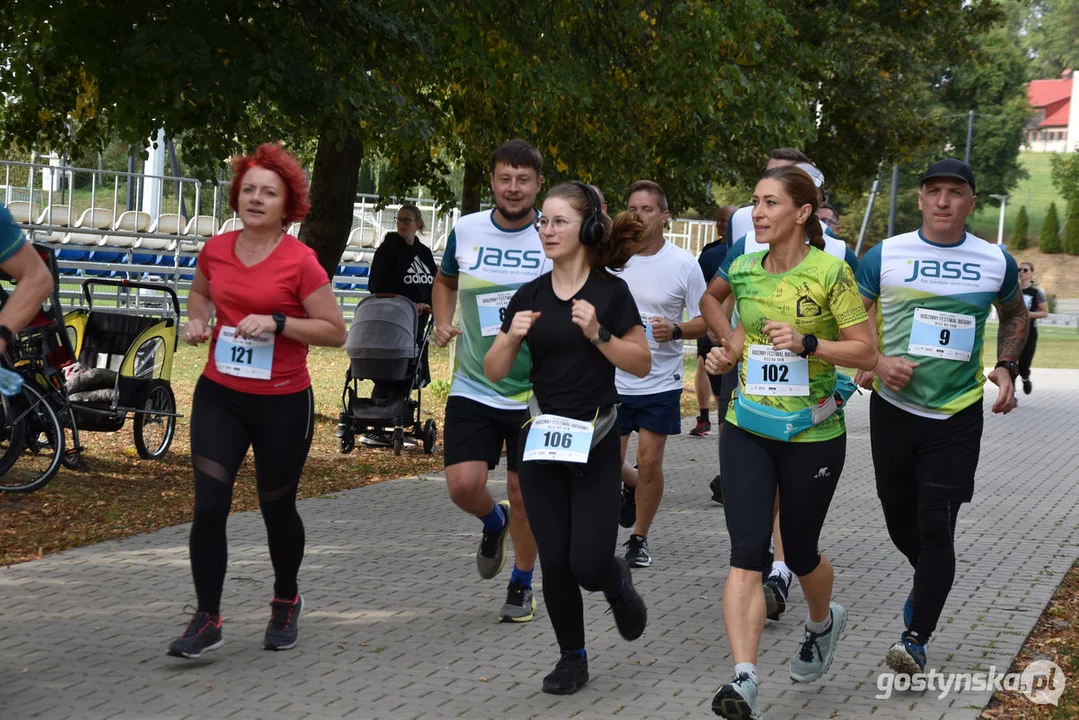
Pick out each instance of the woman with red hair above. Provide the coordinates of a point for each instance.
(272, 300)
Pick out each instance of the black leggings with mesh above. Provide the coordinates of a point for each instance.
(224, 424)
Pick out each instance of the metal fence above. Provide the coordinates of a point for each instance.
(106, 223)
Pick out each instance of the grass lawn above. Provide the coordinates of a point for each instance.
(1036, 192)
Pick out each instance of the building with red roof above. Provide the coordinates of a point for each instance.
(1055, 126)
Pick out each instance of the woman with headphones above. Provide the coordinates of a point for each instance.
(580, 323)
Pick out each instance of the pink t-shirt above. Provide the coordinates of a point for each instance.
(280, 283)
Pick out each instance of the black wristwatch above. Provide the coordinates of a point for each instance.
(676, 331)
(7, 336)
(809, 345)
(1011, 366)
(604, 336)
(279, 318)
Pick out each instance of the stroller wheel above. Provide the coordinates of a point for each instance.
(346, 442)
(398, 440)
(429, 433)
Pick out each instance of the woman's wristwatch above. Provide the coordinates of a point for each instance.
(279, 318)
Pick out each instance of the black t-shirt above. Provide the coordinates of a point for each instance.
(1034, 298)
(570, 376)
(403, 269)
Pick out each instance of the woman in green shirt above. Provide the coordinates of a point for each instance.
(799, 316)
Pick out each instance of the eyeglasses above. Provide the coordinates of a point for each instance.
(829, 222)
(405, 220)
(558, 223)
(1025, 270)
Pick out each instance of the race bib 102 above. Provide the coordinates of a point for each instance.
(776, 372)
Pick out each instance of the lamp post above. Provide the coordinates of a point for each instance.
(1000, 228)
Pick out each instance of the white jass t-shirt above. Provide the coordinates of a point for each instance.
(662, 285)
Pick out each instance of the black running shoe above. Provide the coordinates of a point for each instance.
(630, 613)
(491, 556)
(703, 428)
(283, 630)
(1028, 386)
(520, 604)
(201, 634)
(637, 552)
(568, 676)
(717, 490)
(776, 590)
(627, 514)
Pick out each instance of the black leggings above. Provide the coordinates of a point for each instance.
(1027, 356)
(925, 470)
(224, 424)
(806, 475)
(573, 511)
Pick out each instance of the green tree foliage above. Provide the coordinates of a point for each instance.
(992, 83)
(1070, 239)
(1049, 240)
(894, 52)
(1065, 173)
(218, 77)
(1022, 229)
(1052, 27)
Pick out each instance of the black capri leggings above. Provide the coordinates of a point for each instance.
(224, 424)
(1027, 356)
(806, 474)
(573, 511)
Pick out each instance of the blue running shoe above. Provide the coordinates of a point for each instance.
(907, 656)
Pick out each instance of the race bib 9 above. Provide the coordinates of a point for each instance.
(942, 335)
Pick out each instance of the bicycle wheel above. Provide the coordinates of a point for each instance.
(31, 442)
(155, 425)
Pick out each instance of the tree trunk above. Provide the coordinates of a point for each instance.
(473, 184)
(333, 197)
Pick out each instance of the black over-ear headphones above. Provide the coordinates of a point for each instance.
(592, 225)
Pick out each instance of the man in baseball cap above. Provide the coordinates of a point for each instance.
(950, 168)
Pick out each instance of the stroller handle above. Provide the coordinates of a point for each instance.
(87, 284)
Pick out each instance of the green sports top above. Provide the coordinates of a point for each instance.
(817, 297)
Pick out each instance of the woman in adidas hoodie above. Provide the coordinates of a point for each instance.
(404, 266)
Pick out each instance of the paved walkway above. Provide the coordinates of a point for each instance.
(399, 625)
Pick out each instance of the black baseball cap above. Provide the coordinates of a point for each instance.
(950, 168)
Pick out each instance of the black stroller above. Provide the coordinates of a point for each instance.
(387, 345)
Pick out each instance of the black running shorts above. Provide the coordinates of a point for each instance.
(474, 431)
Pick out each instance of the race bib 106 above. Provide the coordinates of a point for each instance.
(553, 437)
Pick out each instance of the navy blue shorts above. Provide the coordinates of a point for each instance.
(660, 413)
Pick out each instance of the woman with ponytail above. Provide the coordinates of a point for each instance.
(580, 323)
(800, 315)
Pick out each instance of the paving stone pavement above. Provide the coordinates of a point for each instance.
(399, 625)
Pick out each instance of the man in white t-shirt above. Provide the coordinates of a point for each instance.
(665, 281)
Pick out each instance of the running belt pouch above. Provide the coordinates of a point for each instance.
(783, 426)
(603, 424)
